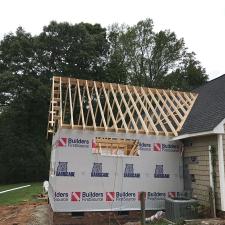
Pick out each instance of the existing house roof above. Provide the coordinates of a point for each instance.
(209, 108)
(92, 105)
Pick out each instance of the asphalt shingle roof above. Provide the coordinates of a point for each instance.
(209, 108)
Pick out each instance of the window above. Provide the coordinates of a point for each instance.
(115, 146)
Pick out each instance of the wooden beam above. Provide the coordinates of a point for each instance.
(126, 108)
(87, 117)
(71, 107)
(177, 102)
(172, 105)
(81, 104)
(90, 106)
(119, 109)
(146, 112)
(163, 113)
(100, 106)
(129, 112)
(109, 107)
(82, 100)
(154, 112)
(186, 115)
(64, 108)
(167, 108)
(183, 100)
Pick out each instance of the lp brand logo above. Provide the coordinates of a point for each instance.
(75, 196)
(110, 196)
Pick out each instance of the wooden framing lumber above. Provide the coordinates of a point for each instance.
(98, 106)
(81, 105)
(71, 105)
(90, 106)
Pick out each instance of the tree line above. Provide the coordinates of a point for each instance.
(135, 55)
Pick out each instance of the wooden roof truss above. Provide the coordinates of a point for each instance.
(98, 106)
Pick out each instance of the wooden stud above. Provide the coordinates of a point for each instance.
(167, 108)
(90, 106)
(65, 101)
(119, 108)
(129, 112)
(71, 105)
(154, 112)
(163, 113)
(173, 106)
(100, 106)
(81, 104)
(146, 112)
(109, 107)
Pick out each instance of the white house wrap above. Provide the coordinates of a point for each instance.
(82, 180)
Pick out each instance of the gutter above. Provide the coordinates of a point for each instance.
(184, 136)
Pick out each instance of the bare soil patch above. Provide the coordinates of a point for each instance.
(23, 214)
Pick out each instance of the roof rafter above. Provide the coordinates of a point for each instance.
(92, 105)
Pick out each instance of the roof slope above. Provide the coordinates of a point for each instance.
(209, 108)
(92, 105)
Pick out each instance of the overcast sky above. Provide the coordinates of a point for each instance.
(199, 22)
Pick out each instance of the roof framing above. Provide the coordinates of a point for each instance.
(92, 105)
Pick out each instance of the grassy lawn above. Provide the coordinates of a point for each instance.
(160, 222)
(22, 195)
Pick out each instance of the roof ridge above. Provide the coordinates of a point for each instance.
(209, 82)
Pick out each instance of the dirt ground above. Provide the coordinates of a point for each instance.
(25, 214)
(37, 214)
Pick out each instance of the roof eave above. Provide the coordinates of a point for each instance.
(219, 129)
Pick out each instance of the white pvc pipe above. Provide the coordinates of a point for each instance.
(12, 189)
(221, 170)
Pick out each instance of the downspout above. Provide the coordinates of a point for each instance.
(221, 170)
(211, 182)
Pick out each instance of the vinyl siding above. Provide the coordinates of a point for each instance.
(198, 146)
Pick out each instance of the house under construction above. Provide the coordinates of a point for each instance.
(111, 142)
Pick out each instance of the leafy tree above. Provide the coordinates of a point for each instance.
(17, 53)
(148, 57)
(116, 68)
(188, 76)
(73, 50)
(24, 150)
(27, 64)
